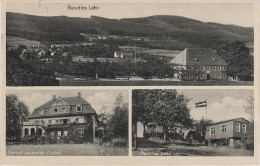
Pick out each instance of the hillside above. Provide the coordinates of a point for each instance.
(184, 31)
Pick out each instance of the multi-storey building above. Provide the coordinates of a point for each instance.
(204, 63)
(56, 117)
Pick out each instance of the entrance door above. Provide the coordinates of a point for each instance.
(208, 76)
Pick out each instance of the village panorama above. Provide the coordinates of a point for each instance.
(154, 50)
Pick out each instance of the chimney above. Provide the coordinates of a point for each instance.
(79, 94)
(53, 97)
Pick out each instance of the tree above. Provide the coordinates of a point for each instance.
(240, 62)
(166, 108)
(249, 108)
(200, 127)
(117, 126)
(16, 114)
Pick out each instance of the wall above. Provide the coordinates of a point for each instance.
(218, 134)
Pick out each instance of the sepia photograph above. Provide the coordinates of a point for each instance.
(129, 44)
(67, 122)
(189, 122)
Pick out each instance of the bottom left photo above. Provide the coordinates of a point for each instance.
(67, 122)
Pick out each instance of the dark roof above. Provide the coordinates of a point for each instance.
(72, 101)
(198, 56)
(235, 119)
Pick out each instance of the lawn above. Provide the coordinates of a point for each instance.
(64, 150)
(152, 83)
(149, 148)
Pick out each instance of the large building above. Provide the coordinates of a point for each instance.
(55, 119)
(203, 64)
(229, 132)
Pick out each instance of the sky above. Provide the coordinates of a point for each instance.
(225, 13)
(222, 104)
(96, 98)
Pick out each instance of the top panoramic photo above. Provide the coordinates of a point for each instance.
(129, 44)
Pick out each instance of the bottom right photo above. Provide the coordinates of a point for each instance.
(193, 122)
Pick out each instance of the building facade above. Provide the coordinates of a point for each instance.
(199, 64)
(57, 117)
(229, 132)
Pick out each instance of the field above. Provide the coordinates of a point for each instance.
(149, 148)
(16, 41)
(151, 83)
(64, 150)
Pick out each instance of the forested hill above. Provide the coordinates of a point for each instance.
(172, 28)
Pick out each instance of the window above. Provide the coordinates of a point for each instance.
(57, 121)
(61, 121)
(42, 112)
(81, 133)
(212, 131)
(224, 75)
(65, 133)
(208, 68)
(223, 128)
(32, 131)
(219, 68)
(40, 131)
(201, 76)
(244, 128)
(63, 109)
(202, 68)
(55, 110)
(219, 75)
(213, 76)
(65, 121)
(78, 108)
(224, 68)
(81, 120)
(214, 68)
(50, 121)
(58, 133)
(52, 134)
(237, 127)
(26, 131)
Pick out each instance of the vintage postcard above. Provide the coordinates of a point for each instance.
(130, 83)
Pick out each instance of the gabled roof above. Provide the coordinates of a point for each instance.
(72, 101)
(198, 56)
(235, 119)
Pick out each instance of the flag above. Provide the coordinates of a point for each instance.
(201, 104)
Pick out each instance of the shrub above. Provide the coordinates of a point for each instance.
(248, 142)
(119, 142)
(34, 139)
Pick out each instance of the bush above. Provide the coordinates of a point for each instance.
(248, 142)
(119, 142)
(34, 139)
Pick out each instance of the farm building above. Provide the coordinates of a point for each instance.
(229, 132)
(58, 116)
(201, 64)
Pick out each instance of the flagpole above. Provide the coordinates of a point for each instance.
(206, 109)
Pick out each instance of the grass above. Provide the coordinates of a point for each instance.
(152, 83)
(149, 148)
(64, 150)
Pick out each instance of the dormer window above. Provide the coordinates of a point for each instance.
(78, 108)
(59, 102)
(42, 112)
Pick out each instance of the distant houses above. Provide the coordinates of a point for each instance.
(228, 132)
(204, 63)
